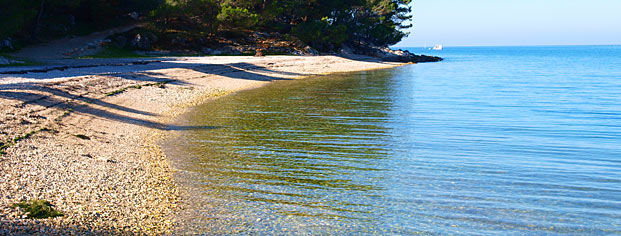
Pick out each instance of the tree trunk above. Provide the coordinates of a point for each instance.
(35, 28)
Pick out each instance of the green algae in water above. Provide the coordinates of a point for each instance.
(463, 147)
(289, 157)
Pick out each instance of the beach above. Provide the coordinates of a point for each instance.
(84, 135)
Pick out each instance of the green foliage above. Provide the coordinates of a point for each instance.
(187, 15)
(325, 24)
(161, 84)
(237, 17)
(4, 146)
(14, 15)
(320, 34)
(54, 18)
(38, 209)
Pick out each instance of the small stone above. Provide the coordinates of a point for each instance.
(260, 52)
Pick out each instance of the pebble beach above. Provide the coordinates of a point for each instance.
(85, 137)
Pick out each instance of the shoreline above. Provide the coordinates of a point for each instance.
(89, 142)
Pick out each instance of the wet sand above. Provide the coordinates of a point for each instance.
(85, 137)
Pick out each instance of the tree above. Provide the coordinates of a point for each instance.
(235, 14)
(14, 15)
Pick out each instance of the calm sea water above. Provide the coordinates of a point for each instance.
(492, 141)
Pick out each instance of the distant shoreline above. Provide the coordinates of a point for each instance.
(91, 148)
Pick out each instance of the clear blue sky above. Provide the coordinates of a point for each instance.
(514, 22)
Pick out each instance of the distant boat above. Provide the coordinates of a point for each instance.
(438, 47)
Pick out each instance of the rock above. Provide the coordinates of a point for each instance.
(207, 51)
(120, 41)
(260, 35)
(248, 49)
(308, 50)
(140, 42)
(229, 49)
(260, 53)
(134, 15)
(7, 43)
(346, 51)
(387, 54)
(136, 41)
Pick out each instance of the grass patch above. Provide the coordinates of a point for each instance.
(20, 64)
(25, 62)
(138, 86)
(113, 51)
(115, 92)
(4, 146)
(65, 114)
(38, 209)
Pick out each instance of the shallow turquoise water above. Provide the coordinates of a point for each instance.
(494, 140)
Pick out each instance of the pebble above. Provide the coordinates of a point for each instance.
(133, 194)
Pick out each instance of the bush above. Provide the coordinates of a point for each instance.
(237, 17)
(321, 35)
(38, 209)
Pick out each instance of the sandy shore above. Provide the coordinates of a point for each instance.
(84, 137)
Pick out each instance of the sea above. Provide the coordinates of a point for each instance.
(490, 141)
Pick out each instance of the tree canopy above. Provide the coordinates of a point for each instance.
(323, 24)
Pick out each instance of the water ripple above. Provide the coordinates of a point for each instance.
(493, 141)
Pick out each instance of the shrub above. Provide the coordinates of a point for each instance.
(38, 209)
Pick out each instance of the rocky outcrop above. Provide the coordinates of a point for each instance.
(153, 42)
(260, 53)
(406, 56)
(387, 54)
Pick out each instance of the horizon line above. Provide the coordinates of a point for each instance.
(509, 45)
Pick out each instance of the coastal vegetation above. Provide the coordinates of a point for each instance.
(38, 209)
(4, 146)
(325, 25)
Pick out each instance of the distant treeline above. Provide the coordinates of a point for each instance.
(323, 24)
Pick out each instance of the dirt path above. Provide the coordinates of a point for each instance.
(68, 47)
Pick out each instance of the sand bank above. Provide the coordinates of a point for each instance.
(84, 137)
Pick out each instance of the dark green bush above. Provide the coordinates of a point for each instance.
(38, 209)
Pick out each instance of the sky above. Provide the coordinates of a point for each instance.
(514, 22)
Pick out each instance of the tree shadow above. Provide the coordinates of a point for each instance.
(34, 227)
(148, 76)
(245, 71)
(102, 67)
(47, 101)
(139, 71)
(252, 67)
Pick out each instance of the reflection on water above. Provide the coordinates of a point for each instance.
(296, 156)
(459, 147)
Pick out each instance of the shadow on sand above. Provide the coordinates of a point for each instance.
(44, 94)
